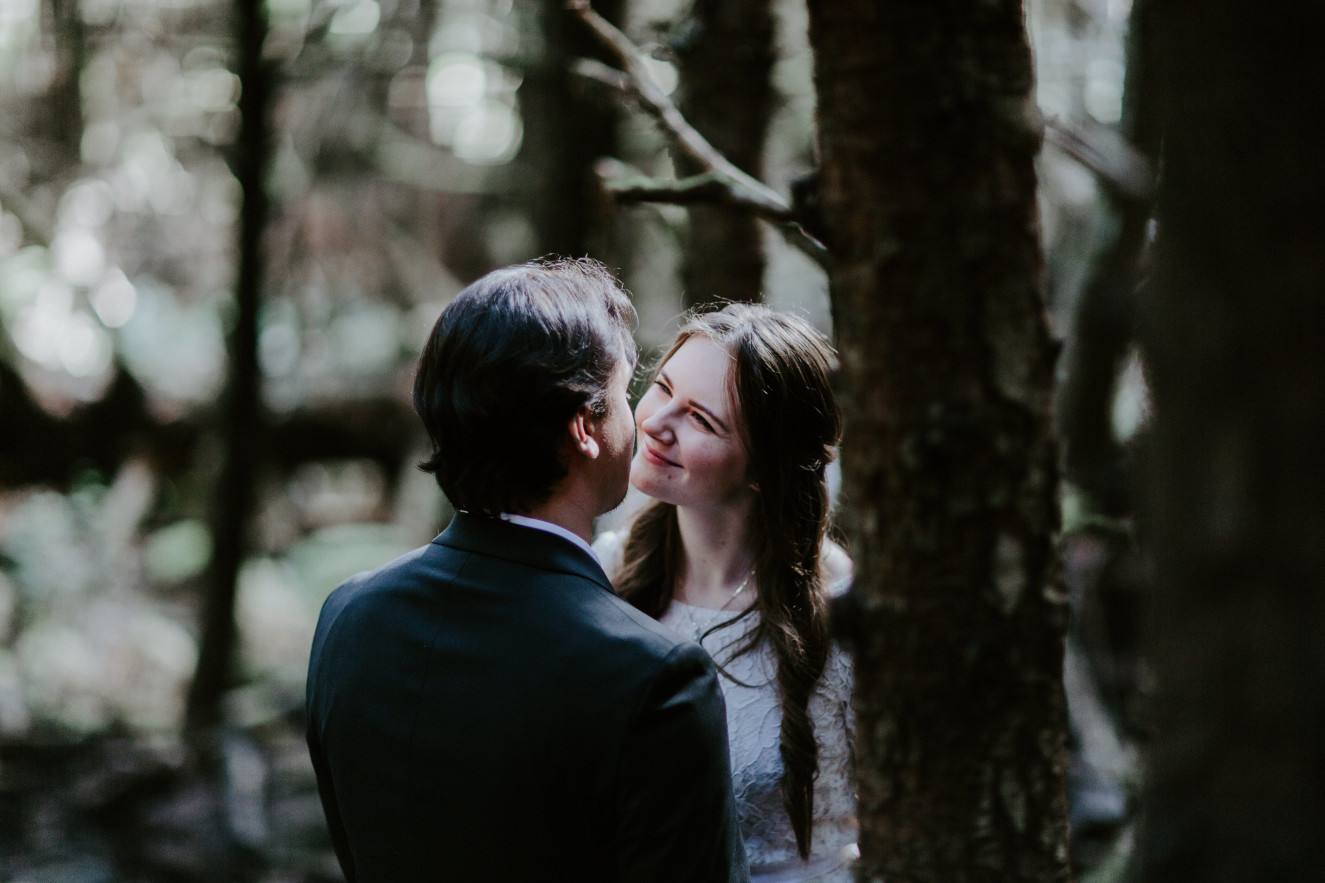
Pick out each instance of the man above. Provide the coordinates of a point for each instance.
(486, 708)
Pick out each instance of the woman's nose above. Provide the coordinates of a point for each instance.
(656, 424)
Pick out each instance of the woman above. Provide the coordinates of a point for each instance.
(734, 436)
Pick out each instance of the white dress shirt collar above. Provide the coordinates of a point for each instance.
(549, 527)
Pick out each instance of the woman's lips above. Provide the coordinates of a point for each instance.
(657, 459)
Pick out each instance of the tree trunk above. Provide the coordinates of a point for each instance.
(242, 430)
(1236, 512)
(725, 55)
(928, 138)
(564, 132)
(66, 109)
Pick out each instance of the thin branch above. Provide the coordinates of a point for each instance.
(724, 181)
(806, 244)
(706, 187)
(1118, 164)
(593, 69)
(710, 188)
(656, 102)
(683, 191)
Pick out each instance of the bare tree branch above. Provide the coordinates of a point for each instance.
(1118, 164)
(722, 181)
(706, 187)
(656, 102)
(593, 69)
(680, 191)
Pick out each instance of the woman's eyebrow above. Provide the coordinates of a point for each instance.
(696, 405)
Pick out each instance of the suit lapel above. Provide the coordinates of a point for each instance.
(523, 545)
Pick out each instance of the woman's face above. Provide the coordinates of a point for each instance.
(689, 453)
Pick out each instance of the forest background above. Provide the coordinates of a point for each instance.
(225, 231)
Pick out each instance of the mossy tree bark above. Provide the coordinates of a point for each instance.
(725, 59)
(1233, 337)
(928, 138)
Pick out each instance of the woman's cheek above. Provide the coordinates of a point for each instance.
(644, 410)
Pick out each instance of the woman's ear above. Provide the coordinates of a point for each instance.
(581, 434)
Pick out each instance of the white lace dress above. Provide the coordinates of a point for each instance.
(753, 726)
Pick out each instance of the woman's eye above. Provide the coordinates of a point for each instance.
(699, 418)
(662, 386)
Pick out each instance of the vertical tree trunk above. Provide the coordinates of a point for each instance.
(66, 117)
(725, 59)
(242, 429)
(564, 131)
(1233, 337)
(928, 137)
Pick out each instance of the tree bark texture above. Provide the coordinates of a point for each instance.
(928, 137)
(725, 55)
(242, 430)
(565, 132)
(1236, 486)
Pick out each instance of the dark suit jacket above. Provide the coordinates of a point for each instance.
(486, 708)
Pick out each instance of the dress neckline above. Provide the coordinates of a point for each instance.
(699, 622)
(700, 607)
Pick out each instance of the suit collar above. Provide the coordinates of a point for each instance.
(555, 529)
(523, 545)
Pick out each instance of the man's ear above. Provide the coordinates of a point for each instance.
(581, 434)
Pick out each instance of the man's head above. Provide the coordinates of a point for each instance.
(508, 367)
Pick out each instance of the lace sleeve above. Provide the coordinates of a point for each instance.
(835, 729)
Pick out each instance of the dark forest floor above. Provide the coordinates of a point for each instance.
(133, 809)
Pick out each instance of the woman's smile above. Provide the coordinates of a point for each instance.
(656, 458)
(689, 452)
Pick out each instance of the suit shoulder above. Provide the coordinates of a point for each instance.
(363, 586)
(616, 622)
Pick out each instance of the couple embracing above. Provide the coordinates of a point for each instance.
(493, 707)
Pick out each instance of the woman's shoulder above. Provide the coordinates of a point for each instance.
(610, 547)
(836, 568)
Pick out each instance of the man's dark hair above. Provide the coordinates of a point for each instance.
(507, 366)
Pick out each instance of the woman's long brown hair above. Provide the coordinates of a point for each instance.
(789, 425)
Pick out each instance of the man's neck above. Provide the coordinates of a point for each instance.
(564, 513)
